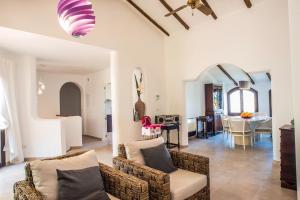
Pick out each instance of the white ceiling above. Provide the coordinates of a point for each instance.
(55, 55)
(221, 7)
(215, 75)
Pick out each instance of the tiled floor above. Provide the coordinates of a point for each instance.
(242, 175)
(235, 174)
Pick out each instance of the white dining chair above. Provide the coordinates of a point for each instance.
(264, 127)
(225, 125)
(240, 128)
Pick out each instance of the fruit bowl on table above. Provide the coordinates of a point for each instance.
(247, 115)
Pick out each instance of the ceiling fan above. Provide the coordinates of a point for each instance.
(194, 4)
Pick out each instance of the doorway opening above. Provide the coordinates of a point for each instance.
(224, 94)
(73, 86)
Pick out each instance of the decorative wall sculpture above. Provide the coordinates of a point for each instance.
(76, 17)
(138, 95)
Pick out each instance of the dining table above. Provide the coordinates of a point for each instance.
(253, 121)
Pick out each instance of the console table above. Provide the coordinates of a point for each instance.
(205, 120)
(168, 128)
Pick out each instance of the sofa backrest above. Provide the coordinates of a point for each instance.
(28, 172)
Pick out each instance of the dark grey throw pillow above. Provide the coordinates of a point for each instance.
(83, 184)
(159, 158)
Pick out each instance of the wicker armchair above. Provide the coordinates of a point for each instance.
(116, 183)
(159, 182)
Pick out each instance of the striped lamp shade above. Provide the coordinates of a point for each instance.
(76, 17)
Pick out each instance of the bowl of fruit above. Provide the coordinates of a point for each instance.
(247, 115)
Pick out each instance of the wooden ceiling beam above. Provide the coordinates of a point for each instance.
(228, 75)
(269, 76)
(213, 14)
(148, 17)
(248, 3)
(179, 19)
(250, 78)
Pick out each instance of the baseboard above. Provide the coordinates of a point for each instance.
(193, 137)
(183, 146)
(30, 159)
(93, 137)
(192, 133)
(74, 148)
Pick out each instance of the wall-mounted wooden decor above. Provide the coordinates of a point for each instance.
(139, 106)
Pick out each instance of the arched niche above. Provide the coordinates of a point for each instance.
(138, 86)
(70, 100)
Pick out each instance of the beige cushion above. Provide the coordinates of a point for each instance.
(111, 197)
(45, 176)
(184, 184)
(133, 148)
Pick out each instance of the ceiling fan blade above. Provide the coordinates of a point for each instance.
(204, 9)
(176, 10)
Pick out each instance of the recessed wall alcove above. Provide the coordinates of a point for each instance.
(70, 100)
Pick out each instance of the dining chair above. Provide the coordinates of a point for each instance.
(225, 125)
(264, 127)
(241, 128)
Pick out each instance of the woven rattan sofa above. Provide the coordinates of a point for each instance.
(159, 182)
(116, 183)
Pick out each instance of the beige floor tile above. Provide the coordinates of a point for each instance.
(235, 174)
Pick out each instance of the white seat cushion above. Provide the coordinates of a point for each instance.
(111, 197)
(185, 183)
(133, 149)
(45, 176)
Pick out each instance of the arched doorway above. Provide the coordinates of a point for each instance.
(218, 94)
(70, 100)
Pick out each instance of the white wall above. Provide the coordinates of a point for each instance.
(136, 43)
(195, 96)
(72, 128)
(255, 39)
(294, 20)
(95, 103)
(92, 98)
(49, 101)
(41, 137)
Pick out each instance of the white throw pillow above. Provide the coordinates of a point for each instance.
(133, 149)
(45, 176)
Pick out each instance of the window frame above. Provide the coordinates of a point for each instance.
(241, 100)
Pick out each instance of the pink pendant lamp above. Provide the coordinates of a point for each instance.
(76, 17)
